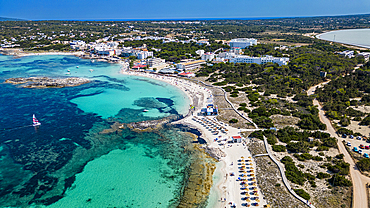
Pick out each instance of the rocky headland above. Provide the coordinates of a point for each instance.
(46, 82)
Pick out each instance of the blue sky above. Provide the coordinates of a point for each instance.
(175, 9)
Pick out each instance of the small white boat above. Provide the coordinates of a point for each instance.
(77, 66)
(145, 110)
(68, 73)
(35, 122)
(91, 70)
(92, 61)
(68, 70)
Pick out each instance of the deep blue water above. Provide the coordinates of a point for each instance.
(39, 165)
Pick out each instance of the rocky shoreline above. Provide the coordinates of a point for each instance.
(46, 82)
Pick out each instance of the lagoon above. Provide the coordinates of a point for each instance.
(356, 37)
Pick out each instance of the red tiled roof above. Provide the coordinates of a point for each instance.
(236, 137)
(139, 66)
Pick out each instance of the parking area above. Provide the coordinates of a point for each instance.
(359, 144)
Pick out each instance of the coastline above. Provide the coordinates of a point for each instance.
(20, 53)
(365, 47)
(198, 95)
(227, 187)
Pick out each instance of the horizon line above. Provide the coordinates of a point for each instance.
(189, 18)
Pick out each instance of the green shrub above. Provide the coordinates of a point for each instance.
(317, 158)
(303, 157)
(329, 142)
(322, 148)
(302, 194)
(257, 134)
(340, 156)
(364, 164)
(271, 139)
(321, 175)
(298, 147)
(338, 180)
(279, 148)
(233, 120)
(286, 159)
(365, 121)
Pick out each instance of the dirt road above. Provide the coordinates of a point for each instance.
(359, 181)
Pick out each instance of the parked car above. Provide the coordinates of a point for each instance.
(344, 135)
(360, 151)
(355, 149)
(351, 136)
(362, 146)
(348, 143)
(366, 155)
(367, 147)
(364, 138)
(359, 137)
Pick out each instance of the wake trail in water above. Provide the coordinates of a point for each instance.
(14, 128)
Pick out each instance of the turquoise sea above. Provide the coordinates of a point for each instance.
(68, 161)
(357, 37)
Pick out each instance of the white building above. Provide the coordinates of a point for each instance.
(155, 62)
(144, 54)
(112, 44)
(366, 55)
(208, 56)
(77, 45)
(242, 42)
(190, 65)
(105, 52)
(227, 55)
(199, 52)
(347, 53)
(260, 60)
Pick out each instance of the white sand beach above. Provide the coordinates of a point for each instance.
(78, 53)
(237, 158)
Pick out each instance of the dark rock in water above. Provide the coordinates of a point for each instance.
(45, 82)
(151, 125)
(167, 101)
(149, 102)
(49, 201)
(68, 183)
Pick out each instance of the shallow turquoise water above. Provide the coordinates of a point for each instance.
(121, 178)
(358, 37)
(67, 162)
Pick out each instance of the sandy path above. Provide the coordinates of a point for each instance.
(359, 181)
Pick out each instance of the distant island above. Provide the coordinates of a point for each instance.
(10, 19)
(45, 82)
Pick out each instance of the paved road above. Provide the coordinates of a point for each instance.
(282, 173)
(359, 181)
